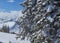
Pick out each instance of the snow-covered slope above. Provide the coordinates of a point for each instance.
(5, 38)
(9, 20)
(13, 26)
(10, 24)
(5, 16)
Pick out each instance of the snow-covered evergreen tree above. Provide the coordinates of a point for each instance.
(41, 21)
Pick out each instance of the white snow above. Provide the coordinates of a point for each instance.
(10, 24)
(10, 15)
(50, 8)
(5, 38)
(15, 30)
(9, 18)
(1, 25)
(23, 41)
(50, 19)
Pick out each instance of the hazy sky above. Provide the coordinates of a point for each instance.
(10, 5)
(10, 8)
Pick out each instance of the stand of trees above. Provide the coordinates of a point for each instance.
(5, 29)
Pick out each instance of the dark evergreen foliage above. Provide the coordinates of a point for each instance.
(41, 22)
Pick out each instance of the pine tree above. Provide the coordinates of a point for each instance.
(41, 22)
(5, 28)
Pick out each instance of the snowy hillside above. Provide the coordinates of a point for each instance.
(10, 24)
(9, 18)
(5, 38)
(13, 27)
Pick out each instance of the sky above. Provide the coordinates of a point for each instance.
(10, 5)
(10, 8)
